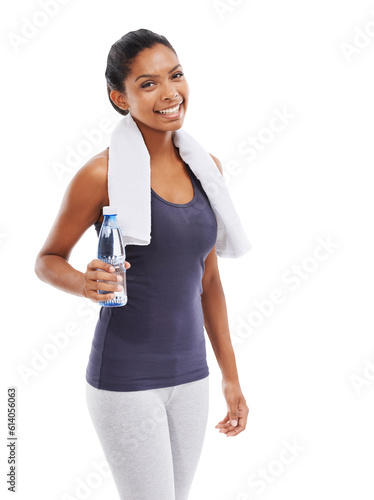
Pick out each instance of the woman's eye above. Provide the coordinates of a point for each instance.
(146, 84)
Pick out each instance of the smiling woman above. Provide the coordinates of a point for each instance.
(147, 367)
(130, 55)
(156, 99)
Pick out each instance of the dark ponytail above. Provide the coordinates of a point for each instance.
(122, 53)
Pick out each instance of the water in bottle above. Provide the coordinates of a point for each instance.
(111, 249)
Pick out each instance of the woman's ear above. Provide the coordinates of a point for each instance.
(119, 99)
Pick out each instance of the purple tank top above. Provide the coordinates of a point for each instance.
(157, 339)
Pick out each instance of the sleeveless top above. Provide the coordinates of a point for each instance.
(157, 338)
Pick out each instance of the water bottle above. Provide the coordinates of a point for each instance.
(111, 249)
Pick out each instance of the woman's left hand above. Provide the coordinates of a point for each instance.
(237, 410)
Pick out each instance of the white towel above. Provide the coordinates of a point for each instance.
(129, 187)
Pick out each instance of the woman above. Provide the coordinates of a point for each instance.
(147, 377)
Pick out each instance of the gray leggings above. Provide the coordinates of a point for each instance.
(152, 439)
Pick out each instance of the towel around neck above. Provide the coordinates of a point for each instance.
(129, 187)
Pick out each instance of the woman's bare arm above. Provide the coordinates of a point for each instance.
(215, 313)
(81, 207)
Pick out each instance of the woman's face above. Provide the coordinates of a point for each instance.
(164, 87)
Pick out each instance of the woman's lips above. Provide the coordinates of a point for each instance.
(173, 115)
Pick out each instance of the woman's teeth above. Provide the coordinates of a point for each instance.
(170, 110)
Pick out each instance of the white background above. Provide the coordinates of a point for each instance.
(307, 368)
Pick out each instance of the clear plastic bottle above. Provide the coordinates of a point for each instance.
(111, 249)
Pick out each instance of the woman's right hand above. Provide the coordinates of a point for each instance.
(93, 273)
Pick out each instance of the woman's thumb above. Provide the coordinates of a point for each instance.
(233, 413)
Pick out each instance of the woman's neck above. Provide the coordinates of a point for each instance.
(159, 143)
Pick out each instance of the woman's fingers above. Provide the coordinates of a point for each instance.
(99, 264)
(239, 428)
(227, 428)
(101, 276)
(231, 430)
(223, 422)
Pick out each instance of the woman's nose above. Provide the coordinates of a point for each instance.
(169, 91)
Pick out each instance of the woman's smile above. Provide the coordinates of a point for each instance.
(171, 112)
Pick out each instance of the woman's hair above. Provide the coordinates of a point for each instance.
(122, 53)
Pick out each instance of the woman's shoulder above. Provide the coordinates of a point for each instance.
(94, 172)
(92, 178)
(97, 166)
(217, 162)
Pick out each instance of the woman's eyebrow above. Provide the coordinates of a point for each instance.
(154, 76)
